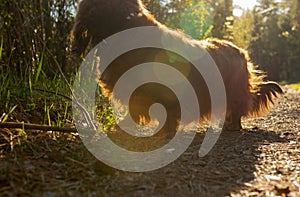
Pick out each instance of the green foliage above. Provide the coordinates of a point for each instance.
(25, 100)
(196, 20)
(106, 117)
(29, 28)
(242, 29)
(39, 69)
(158, 8)
(34, 37)
(276, 38)
(1, 48)
(223, 19)
(5, 116)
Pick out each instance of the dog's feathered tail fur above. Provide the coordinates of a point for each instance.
(263, 92)
(263, 99)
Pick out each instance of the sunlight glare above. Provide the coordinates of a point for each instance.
(244, 4)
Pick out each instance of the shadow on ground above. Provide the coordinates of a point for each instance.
(229, 165)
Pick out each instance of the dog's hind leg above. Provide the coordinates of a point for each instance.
(233, 122)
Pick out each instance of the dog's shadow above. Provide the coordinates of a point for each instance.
(225, 169)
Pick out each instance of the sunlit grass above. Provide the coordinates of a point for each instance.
(30, 103)
(23, 98)
(37, 98)
(295, 86)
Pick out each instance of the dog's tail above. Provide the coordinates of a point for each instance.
(264, 96)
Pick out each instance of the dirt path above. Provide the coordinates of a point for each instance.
(263, 160)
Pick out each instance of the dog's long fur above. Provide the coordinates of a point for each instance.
(247, 92)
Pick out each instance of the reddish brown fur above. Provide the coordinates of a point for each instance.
(247, 93)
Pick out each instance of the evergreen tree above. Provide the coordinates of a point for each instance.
(223, 19)
(242, 29)
(276, 39)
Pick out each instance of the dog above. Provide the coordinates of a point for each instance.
(247, 93)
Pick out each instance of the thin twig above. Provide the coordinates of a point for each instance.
(20, 125)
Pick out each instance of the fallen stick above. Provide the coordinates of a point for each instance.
(20, 125)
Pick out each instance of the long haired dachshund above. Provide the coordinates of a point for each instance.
(246, 91)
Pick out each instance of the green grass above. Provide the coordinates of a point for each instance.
(293, 85)
(23, 98)
(34, 98)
